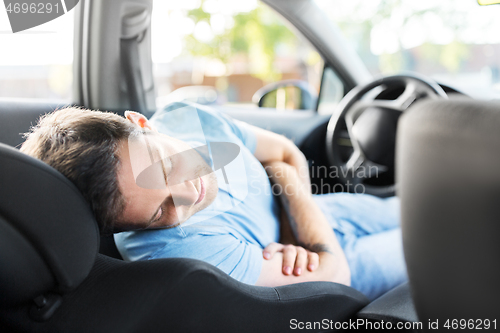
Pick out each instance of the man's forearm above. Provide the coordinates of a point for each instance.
(313, 232)
(308, 222)
(295, 158)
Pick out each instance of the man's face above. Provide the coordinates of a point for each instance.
(163, 181)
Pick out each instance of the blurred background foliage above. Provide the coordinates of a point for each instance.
(441, 30)
(245, 44)
(258, 34)
(255, 35)
(453, 41)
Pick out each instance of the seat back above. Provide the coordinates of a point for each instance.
(448, 172)
(48, 235)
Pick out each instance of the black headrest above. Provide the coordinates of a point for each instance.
(48, 235)
(448, 174)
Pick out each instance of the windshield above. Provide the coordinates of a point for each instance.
(456, 42)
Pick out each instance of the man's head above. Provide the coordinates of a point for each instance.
(103, 154)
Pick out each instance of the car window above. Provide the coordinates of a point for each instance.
(456, 42)
(37, 63)
(223, 52)
(332, 91)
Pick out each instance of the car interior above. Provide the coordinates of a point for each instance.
(427, 142)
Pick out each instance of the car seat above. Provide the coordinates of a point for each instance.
(449, 183)
(52, 278)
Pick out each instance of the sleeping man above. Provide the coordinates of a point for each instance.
(191, 182)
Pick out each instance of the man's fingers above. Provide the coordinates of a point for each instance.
(271, 249)
(289, 255)
(313, 260)
(300, 261)
(296, 259)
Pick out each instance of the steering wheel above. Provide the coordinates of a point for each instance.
(368, 123)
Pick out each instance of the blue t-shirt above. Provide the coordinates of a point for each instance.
(244, 218)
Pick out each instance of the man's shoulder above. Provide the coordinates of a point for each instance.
(185, 106)
(189, 121)
(192, 240)
(206, 227)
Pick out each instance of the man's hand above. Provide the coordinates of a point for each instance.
(295, 258)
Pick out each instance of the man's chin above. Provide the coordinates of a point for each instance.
(207, 201)
(212, 188)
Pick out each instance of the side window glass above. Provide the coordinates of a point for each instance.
(37, 63)
(231, 52)
(332, 91)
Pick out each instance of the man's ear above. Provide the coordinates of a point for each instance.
(139, 120)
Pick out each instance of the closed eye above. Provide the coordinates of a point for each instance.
(158, 216)
(160, 212)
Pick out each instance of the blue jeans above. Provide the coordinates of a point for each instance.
(368, 229)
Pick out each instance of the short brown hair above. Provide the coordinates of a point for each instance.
(83, 146)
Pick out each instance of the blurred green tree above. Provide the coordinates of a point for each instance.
(358, 23)
(255, 36)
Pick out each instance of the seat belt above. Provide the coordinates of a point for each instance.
(134, 26)
(131, 67)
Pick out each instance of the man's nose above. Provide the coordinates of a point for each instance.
(185, 193)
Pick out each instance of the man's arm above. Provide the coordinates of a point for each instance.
(311, 230)
(288, 168)
(272, 147)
